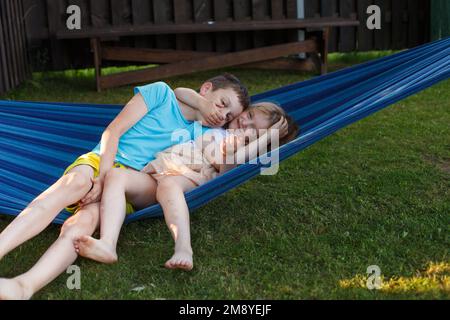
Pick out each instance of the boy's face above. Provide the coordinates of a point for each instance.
(225, 99)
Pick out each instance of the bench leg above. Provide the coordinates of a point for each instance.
(96, 50)
(324, 51)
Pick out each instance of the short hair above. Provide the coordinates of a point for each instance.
(274, 113)
(229, 81)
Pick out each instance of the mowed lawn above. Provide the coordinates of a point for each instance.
(374, 193)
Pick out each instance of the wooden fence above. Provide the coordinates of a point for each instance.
(405, 23)
(440, 22)
(14, 64)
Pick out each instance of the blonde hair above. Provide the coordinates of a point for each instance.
(274, 113)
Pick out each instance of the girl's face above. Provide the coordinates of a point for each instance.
(250, 119)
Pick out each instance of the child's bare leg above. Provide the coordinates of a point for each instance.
(69, 189)
(120, 184)
(170, 194)
(56, 259)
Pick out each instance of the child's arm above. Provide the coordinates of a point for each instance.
(242, 152)
(134, 110)
(230, 146)
(236, 148)
(207, 109)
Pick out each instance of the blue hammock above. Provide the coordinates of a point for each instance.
(39, 140)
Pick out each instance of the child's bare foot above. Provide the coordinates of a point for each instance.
(94, 249)
(11, 289)
(182, 259)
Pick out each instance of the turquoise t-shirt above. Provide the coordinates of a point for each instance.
(163, 126)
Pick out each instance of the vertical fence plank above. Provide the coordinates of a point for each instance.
(121, 15)
(21, 44)
(183, 13)
(387, 38)
(278, 12)
(312, 8)
(399, 24)
(36, 22)
(277, 9)
(260, 11)
(291, 13)
(13, 42)
(142, 13)
(413, 23)
(445, 19)
(6, 45)
(382, 37)
(23, 37)
(13, 48)
(365, 36)
(425, 21)
(59, 55)
(18, 50)
(421, 32)
(85, 14)
(203, 12)
(242, 12)
(20, 35)
(347, 35)
(80, 46)
(4, 71)
(223, 11)
(291, 9)
(11, 36)
(329, 8)
(163, 14)
(121, 12)
(2, 86)
(100, 17)
(100, 13)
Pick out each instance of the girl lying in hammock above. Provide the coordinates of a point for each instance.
(181, 168)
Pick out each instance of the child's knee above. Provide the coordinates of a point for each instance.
(77, 181)
(166, 187)
(84, 223)
(72, 230)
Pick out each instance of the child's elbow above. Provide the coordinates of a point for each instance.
(111, 132)
(178, 92)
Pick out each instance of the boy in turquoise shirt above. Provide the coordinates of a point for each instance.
(153, 132)
(144, 127)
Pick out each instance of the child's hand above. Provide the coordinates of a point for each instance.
(209, 111)
(232, 143)
(95, 194)
(282, 126)
(211, 114)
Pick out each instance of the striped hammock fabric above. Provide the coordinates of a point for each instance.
(39, 140)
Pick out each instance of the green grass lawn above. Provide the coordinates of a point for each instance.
(374, 193)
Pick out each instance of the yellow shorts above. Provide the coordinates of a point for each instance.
(93, 160)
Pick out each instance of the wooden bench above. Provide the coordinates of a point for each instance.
(180, 62)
